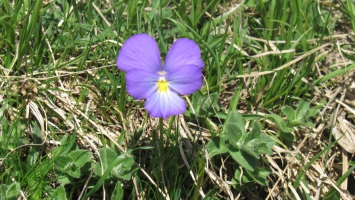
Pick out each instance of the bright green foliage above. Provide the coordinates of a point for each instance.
(300, 116)
(111, 167)
(246, 178)
(244, 147)
(66, 164)
(117, 194)
(10, 191)
(294, 118)
(123, 168)
(58, 194)
(217, 145)
(69, 165)
(205, 105)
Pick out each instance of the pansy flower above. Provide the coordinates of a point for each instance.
(147, 78)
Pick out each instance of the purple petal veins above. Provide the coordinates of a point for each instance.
(139, 52)
(165, 104)
(146, 78)
(141, 84)
(185, 79)
(183, 52)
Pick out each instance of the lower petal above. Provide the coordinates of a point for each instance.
(165, 104)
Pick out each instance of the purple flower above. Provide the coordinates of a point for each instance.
(147, 78)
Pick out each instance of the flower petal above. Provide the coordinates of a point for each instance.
(139, 52)
(141, 84)
(183, 52)
(165, 104)
(185, 79)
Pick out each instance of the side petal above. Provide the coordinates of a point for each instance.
(139, 52)
(183, 52)
(185, 79)
(165, 104)
(141, 84)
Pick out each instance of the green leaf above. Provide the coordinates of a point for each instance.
(301, 111)
(287, 136)
(68, 144)
(105, 176)
(31, 158)
(216, 146)
(59, 194)
(3, 190)
(310, 124)
(244, 148)
(261, 144)
(234, 128)
(64, 178)
(300, 115)
(235, 118)
(250, 3)
(197, 101)
(241, 180)
(260, 175)
(35, 179)
(280, 123)
(235, 98)
(66, 165)
(269, 143)
(311, 112)
(251, 147)
(117, 194)
(254, 133)
(13, 190)
(74, 170)
(137, 134)
(107, 157)
(250, 142)
(243, 159)
(234, 133)
(210, 105)
(289, 112)
(205, 105)
(80, 157)
(124, 169)
(62, 162)
(248, 178)
(10, 191)
(144, 148)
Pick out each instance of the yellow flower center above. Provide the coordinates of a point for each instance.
(162, 85)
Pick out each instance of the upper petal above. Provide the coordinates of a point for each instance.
(139, 52)
(183, 52)
(185, 79)
(141, 84)
(165, 104)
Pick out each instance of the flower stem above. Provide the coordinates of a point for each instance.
(161, 130)
(161, 142)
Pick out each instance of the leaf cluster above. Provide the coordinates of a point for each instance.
(294, 118)
(244, 147)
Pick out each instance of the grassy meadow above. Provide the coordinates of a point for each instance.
(274, 118)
